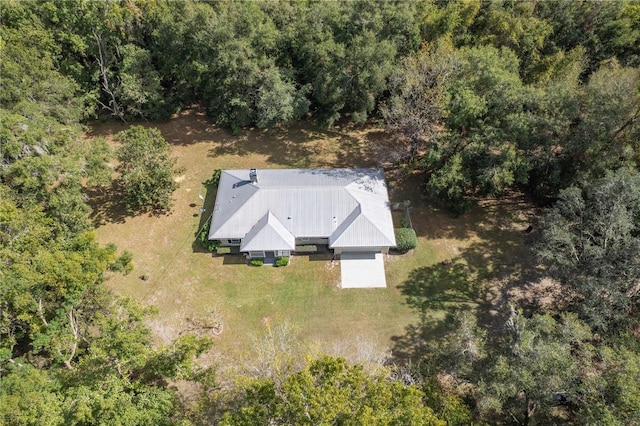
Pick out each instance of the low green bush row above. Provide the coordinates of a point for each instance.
(203, 238)
(256, 262)
(282, 261)
(214, 179)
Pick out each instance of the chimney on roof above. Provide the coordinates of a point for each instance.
(253, 175)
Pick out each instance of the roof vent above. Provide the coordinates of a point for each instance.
(253, 175)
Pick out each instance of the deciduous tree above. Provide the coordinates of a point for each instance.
(535, 364)
(418, 105)
(331, 391)
(591, 240)
(146, 169)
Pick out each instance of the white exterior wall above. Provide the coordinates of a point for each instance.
(338, 250)
(260, 254)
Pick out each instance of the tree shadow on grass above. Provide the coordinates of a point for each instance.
(188, 127)
(107, 205)
(511, 213)
(300, 145)
(494, 265)
(435, 292)
(440, 286)
(279, 146)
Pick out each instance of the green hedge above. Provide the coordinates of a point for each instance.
(406, 239)
(282, 261)
(214, 179)
(203, 238)
(256, 262)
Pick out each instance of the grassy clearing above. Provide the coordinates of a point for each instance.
(185, 282)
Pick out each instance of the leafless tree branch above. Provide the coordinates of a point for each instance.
(113, 106)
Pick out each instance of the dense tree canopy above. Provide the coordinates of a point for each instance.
(485, 94)
(591, 240)
(329, 391)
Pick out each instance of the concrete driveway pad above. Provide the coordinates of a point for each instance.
(362, 270)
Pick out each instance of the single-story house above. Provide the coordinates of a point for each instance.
(268, 213)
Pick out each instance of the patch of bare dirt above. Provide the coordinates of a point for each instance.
(543, 293)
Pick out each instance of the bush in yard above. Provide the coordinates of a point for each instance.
(282, 261)
(256, 262)
(406, 239)
(211, 245)
(214, 179)
(123, 263)
(203, 238)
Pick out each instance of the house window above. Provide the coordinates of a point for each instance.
(254, 254)
(281, 253)
(234, 241)
(304, 240)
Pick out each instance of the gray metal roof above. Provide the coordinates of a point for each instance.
(348, 206)
(268, 234)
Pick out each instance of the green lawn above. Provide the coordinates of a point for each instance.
(184, 282)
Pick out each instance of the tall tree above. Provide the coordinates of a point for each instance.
(537, 364)
(146, 169)
(139, 90)
(341, 50)
(463, 101)
(519, 372)
(331, 391)
(418, 105)
(591, 241)
(610, 394)
(606, 29)
(607, 131)
(44, 159)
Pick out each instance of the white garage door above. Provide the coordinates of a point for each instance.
(362, 270)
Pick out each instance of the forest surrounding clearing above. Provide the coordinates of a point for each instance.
(479, 107)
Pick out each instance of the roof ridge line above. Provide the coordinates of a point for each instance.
(357, 208)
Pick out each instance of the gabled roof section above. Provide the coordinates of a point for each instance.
(359, 231)
(268, 234)
(375, 211)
